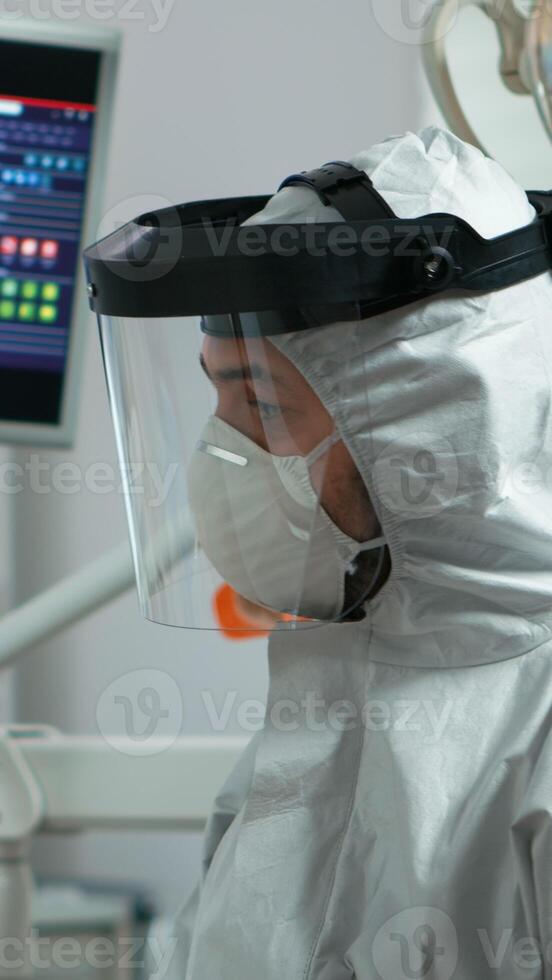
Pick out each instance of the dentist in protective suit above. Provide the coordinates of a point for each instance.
(393, 818)
(412, 837)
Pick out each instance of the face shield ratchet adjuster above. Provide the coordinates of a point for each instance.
(434, 268)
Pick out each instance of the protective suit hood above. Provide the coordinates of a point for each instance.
(445, 406)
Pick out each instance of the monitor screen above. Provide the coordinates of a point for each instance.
(48, 102)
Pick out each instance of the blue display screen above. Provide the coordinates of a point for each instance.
(45, 148)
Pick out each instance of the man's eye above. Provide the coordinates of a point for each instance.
(266, 410)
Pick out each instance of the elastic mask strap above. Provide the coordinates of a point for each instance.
(315, 454)
(322, 448)
(357, 548)
(346, 614)
(373, 543)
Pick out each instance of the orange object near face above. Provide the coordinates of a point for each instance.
(240, 619)
(231, 617)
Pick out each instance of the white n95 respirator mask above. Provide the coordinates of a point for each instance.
(259, 521)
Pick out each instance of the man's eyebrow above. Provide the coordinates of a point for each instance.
(250, 372)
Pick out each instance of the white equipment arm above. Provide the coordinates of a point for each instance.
(66, 603)
(525, 34)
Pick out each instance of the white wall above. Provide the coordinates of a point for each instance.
(227, 99)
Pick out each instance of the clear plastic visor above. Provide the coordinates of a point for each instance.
(233, 475)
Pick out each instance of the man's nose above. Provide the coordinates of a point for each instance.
(241, 416)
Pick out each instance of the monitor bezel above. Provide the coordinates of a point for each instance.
(107, 41)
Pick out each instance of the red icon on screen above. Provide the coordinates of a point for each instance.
(8, 245)
(28, 247)
(49, 249)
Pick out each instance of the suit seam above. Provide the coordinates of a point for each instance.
(339, 848)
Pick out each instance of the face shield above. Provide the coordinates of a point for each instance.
(236, 475)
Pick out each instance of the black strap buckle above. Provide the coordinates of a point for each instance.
(341, 185)
(322, 179)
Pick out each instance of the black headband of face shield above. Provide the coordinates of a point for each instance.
(197, 259)
(352, 193)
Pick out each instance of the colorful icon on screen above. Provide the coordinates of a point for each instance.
(7, 309)
(29, 289)
(49, 249)
(8, 245)
(50, 291)
(9, 287)
(47, 313)
(28, 247)
(27, 311)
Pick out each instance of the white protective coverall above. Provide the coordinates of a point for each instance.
(393, 819)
